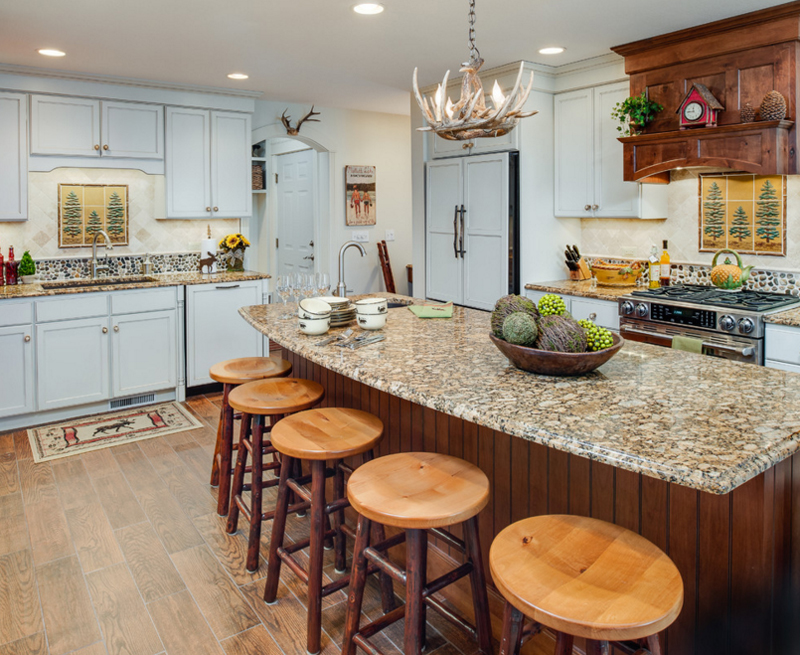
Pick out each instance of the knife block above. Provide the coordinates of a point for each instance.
(583, 272)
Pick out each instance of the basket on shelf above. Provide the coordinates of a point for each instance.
(258, 177)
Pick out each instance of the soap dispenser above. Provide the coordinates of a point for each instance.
(147, 265)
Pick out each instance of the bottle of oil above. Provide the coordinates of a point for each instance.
(665, 267)
(654, 272)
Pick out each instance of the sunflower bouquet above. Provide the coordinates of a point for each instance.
(233, 247)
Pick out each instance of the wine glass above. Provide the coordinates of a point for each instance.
(323, 283)
(296, 284)
(284, 290)
(309, 286)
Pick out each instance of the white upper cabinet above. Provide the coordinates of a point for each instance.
(65, 126)
(589, 160)
(208, 164)
(83, 127)
(13, 157)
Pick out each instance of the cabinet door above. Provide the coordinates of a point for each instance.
(188, 163)
(16, 381)
(133, 130)
(614, 197)
(504, 143)
(443, 198)
(439, 147)
(65, 126)
(574, 174)
(485, 230)
(13, 157)
(231, 173)
(606, 311)
(143, 353)
(782, 344)
(214, 329)
(72, 362)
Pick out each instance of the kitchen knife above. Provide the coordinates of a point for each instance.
(577, 253)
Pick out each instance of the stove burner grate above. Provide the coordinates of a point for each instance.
(757, 301)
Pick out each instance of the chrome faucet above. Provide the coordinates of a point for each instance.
(109, 246)
(341, 288)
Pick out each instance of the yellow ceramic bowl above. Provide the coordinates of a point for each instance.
(617, 275)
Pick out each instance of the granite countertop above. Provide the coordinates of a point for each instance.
(583, 288)
(701, 422)
(158, 280)
(790, 317)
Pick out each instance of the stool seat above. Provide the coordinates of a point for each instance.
(418, 490)
(586, 578)
(276, 396)
(327, 433)
(246, 369)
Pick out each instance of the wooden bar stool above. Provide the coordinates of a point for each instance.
(317, 436)
(256, 400)
(584, 578)
(420, 493)
(231, 373)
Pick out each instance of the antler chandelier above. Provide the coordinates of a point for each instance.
(470, 118)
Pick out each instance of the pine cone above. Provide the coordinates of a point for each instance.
(747, 113)
(773, 107)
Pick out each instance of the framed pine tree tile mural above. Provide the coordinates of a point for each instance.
(85, 209)
(744, 212)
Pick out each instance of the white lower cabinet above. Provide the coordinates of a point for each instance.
(16, 382)
(214, 329)
(605, 312)
(72, 362)
(782, 347)
(144, 356)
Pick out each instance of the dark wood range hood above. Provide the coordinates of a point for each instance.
(740, 60)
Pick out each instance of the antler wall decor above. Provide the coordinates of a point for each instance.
(294, 131)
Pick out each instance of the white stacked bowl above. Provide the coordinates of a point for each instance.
(315, 326)
(371, 313)
(313, 308)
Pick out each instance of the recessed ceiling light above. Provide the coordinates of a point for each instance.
(368, 8)
(555, 50)
(50, 52)
(238, 76)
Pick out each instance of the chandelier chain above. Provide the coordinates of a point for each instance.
(473, 49)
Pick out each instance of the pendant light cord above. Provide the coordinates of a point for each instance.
(474, 53)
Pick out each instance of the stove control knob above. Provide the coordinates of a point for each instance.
(746, 325)
(641, 309)
(727, 323)
(627, 307)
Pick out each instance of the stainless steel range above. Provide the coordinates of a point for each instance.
(730, 325)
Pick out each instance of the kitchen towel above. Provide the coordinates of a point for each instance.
(430, 310)
(689, 344)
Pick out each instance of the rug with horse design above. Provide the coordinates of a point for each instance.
(105, 430)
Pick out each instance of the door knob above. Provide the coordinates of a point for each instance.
(311, 243)
(105, 330)
(97, 146)
(587, 207)
(105, 147)
(216, 209)
(311, 257)
(595, 207)
(208, 209)
(27, 338)
(116, 328)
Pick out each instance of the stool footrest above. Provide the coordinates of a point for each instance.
(391, 542)
(628, 647)
(374, 627)
(365, 645)
(447, 579)
(529, 630)
(386, 565)
(243, 507)
(456, 619)
(293, 509)
(449, 538)
(290, 561)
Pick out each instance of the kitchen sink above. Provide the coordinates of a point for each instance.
(99, 282)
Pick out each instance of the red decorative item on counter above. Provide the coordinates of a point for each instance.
(11, 267)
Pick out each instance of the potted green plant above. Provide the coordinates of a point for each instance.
(27, 268)
(634, 113)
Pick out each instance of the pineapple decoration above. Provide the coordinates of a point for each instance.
(747, 113)
(773, 107)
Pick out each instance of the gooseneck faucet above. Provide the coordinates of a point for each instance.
(109, 246)
(341, 288)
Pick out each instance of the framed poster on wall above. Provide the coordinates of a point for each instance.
(85, 209)
(359, 195)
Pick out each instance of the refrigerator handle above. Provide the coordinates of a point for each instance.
(461, 238)
(455, 232)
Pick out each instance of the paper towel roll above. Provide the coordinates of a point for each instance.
(209, 246)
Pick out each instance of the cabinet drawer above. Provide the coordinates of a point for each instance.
(782, 344)
(607, 314)
(143, 300)
(85, 305)
(792, 368)
(16, 313)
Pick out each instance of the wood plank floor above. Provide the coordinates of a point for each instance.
(120, 552)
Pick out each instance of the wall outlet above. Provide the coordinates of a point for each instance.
(628, 251)
(361, 236)
(389, 235)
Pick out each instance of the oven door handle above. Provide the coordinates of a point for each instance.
(749, 351)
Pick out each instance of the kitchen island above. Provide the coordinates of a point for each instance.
(694, 453)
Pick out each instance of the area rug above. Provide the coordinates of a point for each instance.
(105, 430)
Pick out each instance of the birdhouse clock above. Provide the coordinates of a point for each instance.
(699, 108)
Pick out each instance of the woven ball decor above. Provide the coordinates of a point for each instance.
(773, 107)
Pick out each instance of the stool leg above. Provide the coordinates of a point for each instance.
(278, 530)
(512, 630)
(480, 599)
(563, 644)
(596, 647)
(416, 565)
(338, 521)
(238, 475)
(358, 580)
(387, 589)
(254, 540)
(318, 528)
(224, 459)
(215, 464)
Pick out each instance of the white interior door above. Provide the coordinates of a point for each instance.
(295, 212)
(485, 230)
(443, 199)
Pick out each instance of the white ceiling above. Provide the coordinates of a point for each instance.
(321, 51)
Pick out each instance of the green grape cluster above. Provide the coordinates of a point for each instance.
(597, 338)
(550, 304)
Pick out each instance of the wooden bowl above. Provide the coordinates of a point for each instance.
(545, 362)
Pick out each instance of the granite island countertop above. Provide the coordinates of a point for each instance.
(697, 421)
(158, 280)
(581, 288)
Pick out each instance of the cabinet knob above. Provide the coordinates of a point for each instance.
(587, 207)
(27, 338)
(105, 330)
(595, 207)
(116, 328)
(105, 147)
(208, 209)
(467, 146)
(97, 146)
(216, 209)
